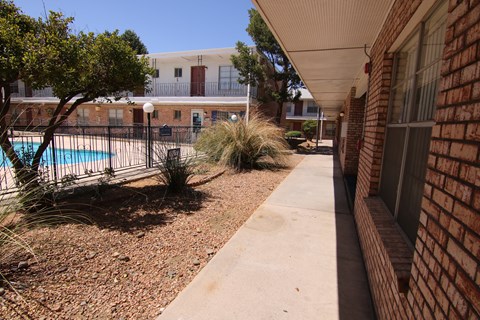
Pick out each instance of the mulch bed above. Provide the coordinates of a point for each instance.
(136, 248)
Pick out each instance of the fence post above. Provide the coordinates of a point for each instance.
(109, 135)
(54, 159)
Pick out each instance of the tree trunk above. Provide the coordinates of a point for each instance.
(278, 115)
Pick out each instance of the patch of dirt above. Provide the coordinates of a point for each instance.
(138, 250)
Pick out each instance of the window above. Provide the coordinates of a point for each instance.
(156, 74)
(115, 117)
(289, 108)
(155, 114)
(411, 112)
(177, 114)
(83, 117)
(222, 115)
(178, 73)
(330, 129)
(312, 107)
(228, 78)
(14, 87)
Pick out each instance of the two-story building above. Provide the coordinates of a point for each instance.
(190, 88)
(296, 113)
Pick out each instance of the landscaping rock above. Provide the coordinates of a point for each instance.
(2, 291)
(123, 258)
(196, 262)
(116, 254)
(90, 255)
(140, 235)
(62, 269)
(22, 265)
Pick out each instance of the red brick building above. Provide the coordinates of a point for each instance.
(411, 132)
(189, 88)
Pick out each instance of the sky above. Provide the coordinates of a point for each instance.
(163, 26)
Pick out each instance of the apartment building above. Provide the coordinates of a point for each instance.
(190, 88)
(296, 113)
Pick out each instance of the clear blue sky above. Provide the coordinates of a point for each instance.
(163, 26)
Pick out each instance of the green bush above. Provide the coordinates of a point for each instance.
(175, 174)
(293, 134)
(239, 145)
(309, 128)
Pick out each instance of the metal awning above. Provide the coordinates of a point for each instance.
(325, 39)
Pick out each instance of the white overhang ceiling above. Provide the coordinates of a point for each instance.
(325, 40)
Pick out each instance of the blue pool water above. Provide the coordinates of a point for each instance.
(62, 156)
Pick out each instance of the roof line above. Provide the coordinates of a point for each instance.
(327, 49)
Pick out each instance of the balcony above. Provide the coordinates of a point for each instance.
(157, 89)
(199, 89)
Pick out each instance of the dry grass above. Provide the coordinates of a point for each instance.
(240, 145)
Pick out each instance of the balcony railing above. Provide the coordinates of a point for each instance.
(201, 89)
(176, 89)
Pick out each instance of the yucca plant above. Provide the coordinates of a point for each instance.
(241, 145)
(175, 173)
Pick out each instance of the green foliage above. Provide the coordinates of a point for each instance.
(79, 67)
(293, 134)
(309, 128)
(134, 41)
(272, 69)
(175, 173)
(14, 27)
(240, 145)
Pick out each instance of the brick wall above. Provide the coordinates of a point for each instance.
(440, 278)
(446, 269)
(354, 113)
(98, 113)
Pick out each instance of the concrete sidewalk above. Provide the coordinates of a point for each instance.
(297, 257)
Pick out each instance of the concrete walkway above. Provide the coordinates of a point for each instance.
(297, 257)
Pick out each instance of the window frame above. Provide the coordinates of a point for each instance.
(177, 72)
(177, 114)
(409, 108)
(311, 104)
(118, 120)
(232, 83)
(81, 117)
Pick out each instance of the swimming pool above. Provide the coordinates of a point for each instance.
(62, 156)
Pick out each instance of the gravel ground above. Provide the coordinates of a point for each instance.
(139, 251)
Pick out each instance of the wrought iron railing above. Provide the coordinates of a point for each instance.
(176, 89)
(207, 89)
(86, 151)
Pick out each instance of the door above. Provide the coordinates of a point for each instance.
(298, 108)
(197, 81)
(137, 123)
(197, 122)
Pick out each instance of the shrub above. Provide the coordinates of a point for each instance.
(175, 174)
(309, 128)
(293, 134)
(239, 145)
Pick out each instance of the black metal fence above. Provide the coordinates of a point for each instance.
(86, 151)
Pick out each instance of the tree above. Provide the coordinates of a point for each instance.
(134, 41)
(14, 28)
(280, 79)
(309, 128)
(79, 68)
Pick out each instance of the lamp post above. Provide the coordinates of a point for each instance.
(148, 109)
